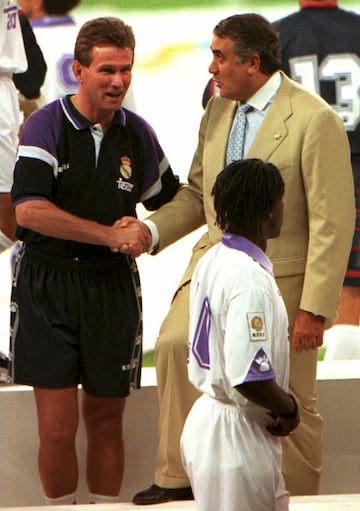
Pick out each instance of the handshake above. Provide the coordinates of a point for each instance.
(129, 236)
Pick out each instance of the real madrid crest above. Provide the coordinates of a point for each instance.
(125, 167)
(125, 172)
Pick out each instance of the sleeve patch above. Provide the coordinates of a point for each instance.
(260, 369)
(257, 326)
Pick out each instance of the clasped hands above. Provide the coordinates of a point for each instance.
(129, 236)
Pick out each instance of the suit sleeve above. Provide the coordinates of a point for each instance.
(329, 189)
(185, 212)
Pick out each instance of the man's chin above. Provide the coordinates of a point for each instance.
(224, 94)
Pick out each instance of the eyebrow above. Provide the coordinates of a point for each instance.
(216, 51)
(125, 67)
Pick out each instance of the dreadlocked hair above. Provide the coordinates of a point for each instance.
(245, 193)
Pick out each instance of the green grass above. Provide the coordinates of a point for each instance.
(148, 358)
(321, 353)
(249, 5)
(149, 4)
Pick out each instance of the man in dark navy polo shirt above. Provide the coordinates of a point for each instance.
(84, 163)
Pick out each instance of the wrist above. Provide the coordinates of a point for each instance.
(316, 317)
(292, 414)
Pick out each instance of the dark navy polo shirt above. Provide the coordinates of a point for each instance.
(66, 160)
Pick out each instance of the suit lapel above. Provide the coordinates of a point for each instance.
(271, 134)
(273, 130)
(217, 135)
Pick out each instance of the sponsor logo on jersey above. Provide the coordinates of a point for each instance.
(256, 324)
(63, 167)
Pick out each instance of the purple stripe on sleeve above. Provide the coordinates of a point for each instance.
(260, 369)
(152, 150)
(42, 128)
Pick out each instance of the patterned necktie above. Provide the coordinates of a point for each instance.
(235, 148)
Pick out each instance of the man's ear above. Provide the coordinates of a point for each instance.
(77, 70)
(254, 63)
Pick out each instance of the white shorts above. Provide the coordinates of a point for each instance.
(232, 461)
(9, 129)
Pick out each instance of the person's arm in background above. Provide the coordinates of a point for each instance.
(30, 82)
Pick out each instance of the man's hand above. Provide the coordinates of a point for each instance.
(284, 423)
(130, 236)
(308, 331)
(282, 426)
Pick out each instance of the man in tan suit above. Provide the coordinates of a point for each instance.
(300, 134)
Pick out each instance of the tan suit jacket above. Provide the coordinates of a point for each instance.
(306, 140)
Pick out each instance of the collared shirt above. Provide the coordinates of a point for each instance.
(260, 102)
(238, 329)
(65, 159)
(247, 246)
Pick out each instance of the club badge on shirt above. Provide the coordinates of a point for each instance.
(125, 167)
(256, 325)
(126, 172)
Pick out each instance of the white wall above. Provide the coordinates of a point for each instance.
(339, 403)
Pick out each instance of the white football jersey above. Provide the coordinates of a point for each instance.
(238, 321)
(56, 37)
(12, 51)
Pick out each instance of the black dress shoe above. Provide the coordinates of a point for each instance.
(156, 495)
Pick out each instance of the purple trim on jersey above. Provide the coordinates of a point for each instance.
(152, 149)
(29, 198)
(44, 120)
(10, 9)
(252, 250)
(80, 122)
(260, 369)
(52, 21)
(200, 344)
(49, 120)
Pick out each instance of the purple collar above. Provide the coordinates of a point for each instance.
(247, 246)
(52, 21)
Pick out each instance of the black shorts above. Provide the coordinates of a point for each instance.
(76, 322)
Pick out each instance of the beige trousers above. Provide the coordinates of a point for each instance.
(302, 451)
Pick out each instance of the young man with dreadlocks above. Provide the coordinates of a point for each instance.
(306, 140)
(239, 351)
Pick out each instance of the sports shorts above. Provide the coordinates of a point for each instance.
(76, 322)
(232, 462)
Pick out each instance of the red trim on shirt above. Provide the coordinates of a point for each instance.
(329, 3)
(353, 274)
